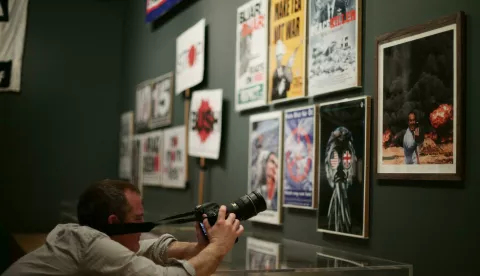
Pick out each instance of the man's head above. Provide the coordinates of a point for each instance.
(412, 121)
(112, 201)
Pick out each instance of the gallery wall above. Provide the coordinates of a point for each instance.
(60, 132)
(428, 224)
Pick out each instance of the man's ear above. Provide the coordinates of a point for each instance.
(113, 219)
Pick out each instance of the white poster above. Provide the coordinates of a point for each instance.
(190, 57)
(126, 137)
(205, 128)
(175, 157)
(152, 158)
(251, 55)
(13, 21)
(333, 48)
(154, 103)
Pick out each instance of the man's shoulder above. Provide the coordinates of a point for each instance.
(75, 233)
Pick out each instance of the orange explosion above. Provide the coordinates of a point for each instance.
(441, 115)
(386, 136)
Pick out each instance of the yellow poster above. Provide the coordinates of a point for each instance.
(286, 49)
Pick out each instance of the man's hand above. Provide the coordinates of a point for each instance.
(271, 168)
(222, 237)
(417, 131)
(225, 231)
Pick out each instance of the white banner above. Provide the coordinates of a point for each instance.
(205, 128)
(190, 57)
(175, 157)
(13, 21)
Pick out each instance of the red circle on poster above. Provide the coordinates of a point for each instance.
(192, 55)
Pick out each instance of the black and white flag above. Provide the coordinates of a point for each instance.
(13, 20)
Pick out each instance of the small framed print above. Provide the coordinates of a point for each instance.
(299, 156)
(344, 172)
(419, 122)
(265, 163)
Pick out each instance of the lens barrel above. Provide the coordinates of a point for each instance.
(247, 206)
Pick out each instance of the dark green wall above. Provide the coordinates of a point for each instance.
(60, 132)
(433, 226)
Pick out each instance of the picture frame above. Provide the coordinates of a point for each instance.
(287, 48)
(300, 143)
(265, 152)
(344, 167)
(419, 122)
(335, 40)
(251, 55)
(262, 255)
(154, 103)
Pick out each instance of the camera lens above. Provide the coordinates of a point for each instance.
(247, 206)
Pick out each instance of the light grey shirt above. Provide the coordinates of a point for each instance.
(71, 249)
(410, 147)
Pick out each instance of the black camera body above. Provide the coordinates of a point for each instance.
(244, 208)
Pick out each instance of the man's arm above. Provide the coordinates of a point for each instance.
(207, 261)
(184, 250)
(107, 257)
(222, 237)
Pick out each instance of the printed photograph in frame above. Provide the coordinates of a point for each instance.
(265, 163)
(334, 46)
(344, 172)
(419, 122)
(299, 158)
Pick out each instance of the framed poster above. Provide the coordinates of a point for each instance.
(419, 125)
(251, 55)
(152, 158)
(154, 106)
(13, 23)
(126, 140)
(334, 46)
(205, 129)
(137, 162)
(190, 58)
(265, 163)
(286, 48)
(262, 255)
(344, 153)
(157, 8)
(175, 157)
(299, 166)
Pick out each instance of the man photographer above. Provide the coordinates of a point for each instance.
(81, 249)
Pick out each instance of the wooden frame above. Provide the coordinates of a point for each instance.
(323, 35)
(423, 122)
(297, 114)
(355, 172)
(274, 214)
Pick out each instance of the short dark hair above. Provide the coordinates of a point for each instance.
(102, 199)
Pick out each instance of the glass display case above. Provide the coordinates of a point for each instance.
(259, 253)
